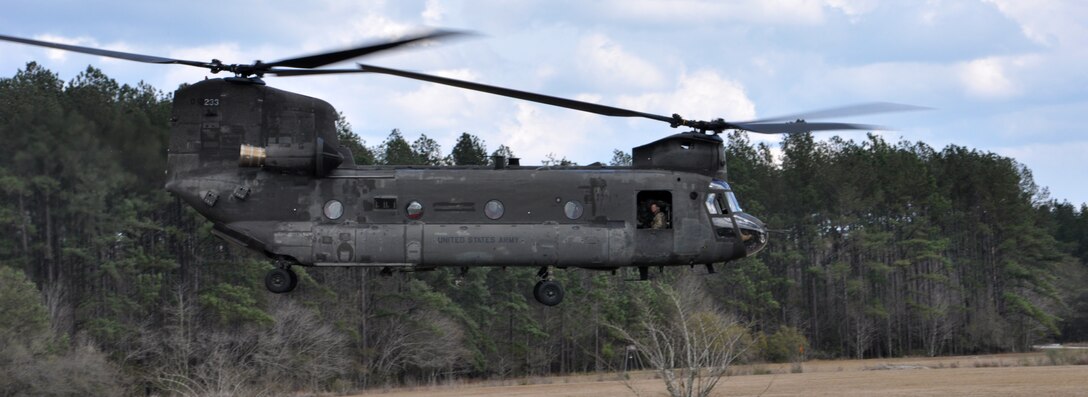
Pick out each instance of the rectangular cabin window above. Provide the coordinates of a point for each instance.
(385, 203)
(648, 201)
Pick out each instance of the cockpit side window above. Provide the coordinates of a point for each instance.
(713, 206)
(719, 214)
(712, 203)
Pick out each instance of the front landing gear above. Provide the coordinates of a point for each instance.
(281, 280)
(547, 292)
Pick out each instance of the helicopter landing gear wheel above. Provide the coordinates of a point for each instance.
(548, 292)
(294, 279)
(281, 280)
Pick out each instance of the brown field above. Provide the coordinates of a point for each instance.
(1025, 374)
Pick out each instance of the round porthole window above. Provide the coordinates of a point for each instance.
(573, 209)
(414, 210)
(494, 209)
(334, 209)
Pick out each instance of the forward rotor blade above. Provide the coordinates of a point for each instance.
(310, 72)
(794, 128)
(318, 60)
(844, 111)
(106, 53)
(528, 96)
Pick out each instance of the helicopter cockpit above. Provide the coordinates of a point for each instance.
(727, 217)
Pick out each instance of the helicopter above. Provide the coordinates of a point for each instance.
(265, 166)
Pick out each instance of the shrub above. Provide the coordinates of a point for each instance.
(786, 345)
(28, 365)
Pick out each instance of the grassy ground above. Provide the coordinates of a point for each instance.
(1034, 374)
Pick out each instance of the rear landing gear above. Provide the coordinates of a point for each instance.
(281, 280)
(547, 292)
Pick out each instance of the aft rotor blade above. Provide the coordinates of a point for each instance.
(844, 111)
(802, 127)
(528, 96)
(106, 53)
(318, 60)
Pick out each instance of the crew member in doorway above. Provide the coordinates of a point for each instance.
(659, 217)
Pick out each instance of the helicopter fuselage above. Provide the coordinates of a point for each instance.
(264, 166)
(590, 217)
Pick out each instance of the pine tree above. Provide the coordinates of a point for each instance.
(469, 150)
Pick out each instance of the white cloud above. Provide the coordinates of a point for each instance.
(1053, 71)
(380, 26)
(699, 95)
(778, 12)
(433, 13)
(787, 11)
(773, 12)
(435, 106)
(538, 130)
(1048, 22)
(544, 72)
(606, 62)
(853, 8)
(986, 78)
(1033, 75)
(884, 78)
(348, 23)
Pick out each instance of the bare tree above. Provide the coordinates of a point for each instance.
(689, 342)
(56, 303)
(83, 371)
(224, 367)
(937, 319)
(301, 347)
(864, 330)
(443, 347)
(426, 340)
(299, 350)
(190, 360)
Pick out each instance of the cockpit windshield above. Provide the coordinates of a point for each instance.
(733, 204)
(729, 198)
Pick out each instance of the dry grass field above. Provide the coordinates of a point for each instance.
(1025, 374)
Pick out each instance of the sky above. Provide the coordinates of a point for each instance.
(1001, 76)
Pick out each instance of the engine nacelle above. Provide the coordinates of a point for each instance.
(317, 158)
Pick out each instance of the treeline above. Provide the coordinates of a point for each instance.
(880, 250)
(892, 249)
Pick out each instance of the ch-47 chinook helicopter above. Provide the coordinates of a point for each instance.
(265, 166)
